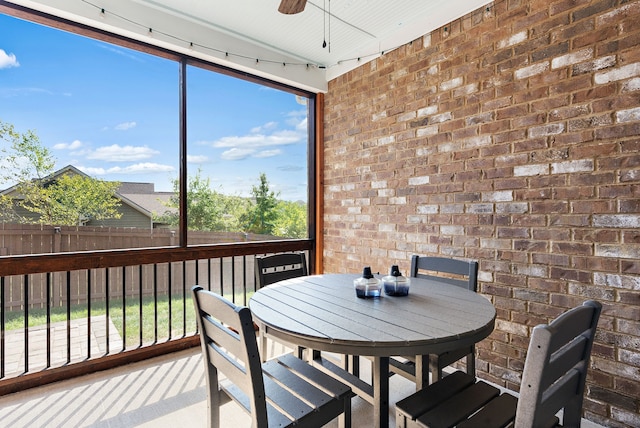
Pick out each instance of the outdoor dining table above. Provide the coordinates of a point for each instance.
(322, 312)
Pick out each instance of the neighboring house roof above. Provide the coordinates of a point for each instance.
(69, 168)
(154, 202)
(140, 196)
(127, 188)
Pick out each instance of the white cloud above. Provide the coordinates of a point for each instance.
(92, 171)
(237, 154)
(302, 125)
(74, 145)
(298, 120)
(290, 168)
(117, 153)
(279, 138)
(8, 60)
(125, 126)
(267, 126)
(18, 92)
(122, 52)
(268, 153)
(140, 168)
(197, 159)
(263, 141)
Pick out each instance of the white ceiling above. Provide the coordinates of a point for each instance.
(251, 35)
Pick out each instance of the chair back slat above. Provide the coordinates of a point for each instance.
(563, 360)
(461, 273)
(570, 325)
(225, 337)
(278, 267)
(556, 366)
(232, 369)
(555, 395)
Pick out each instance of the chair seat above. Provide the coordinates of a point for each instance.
(452, 400)
(293, 388)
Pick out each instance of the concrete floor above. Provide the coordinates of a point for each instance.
(168, 391)
(14, 358)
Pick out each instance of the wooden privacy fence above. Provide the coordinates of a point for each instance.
(56, 289)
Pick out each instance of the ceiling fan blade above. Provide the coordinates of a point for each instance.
(291, 7)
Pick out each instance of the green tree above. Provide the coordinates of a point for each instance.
(22, 160)
(74, 199)
(292, 220)
(67, 200)
(262, 216)
(207, 209)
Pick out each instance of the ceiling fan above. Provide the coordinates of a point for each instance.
(291, 7)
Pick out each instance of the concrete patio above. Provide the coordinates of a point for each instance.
(14, 363)
(167, 391)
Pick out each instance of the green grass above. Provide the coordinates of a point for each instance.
(182, 322)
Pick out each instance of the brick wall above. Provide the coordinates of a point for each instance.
(510, 136)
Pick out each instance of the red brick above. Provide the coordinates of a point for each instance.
(563, 6)
(594, 8)
(551, 227)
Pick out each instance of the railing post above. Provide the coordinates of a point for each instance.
(57, 276)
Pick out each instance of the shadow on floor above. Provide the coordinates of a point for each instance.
(167, 391)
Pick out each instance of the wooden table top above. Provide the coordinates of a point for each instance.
(322, 312)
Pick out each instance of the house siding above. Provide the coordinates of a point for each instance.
(510, 136)
(130, 218)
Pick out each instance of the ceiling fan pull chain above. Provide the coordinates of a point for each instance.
(329, 26)
(324, 24)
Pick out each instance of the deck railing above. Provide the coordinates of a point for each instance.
(88, 311)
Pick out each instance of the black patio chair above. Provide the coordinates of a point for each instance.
(282, 392)
(271, 269)
(278, 267)
(458, 273)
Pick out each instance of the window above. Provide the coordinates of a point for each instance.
(247, 144)
(106, 114)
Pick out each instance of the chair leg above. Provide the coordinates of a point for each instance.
(355, 365)
(351, 364)
(214, 399)
(422, 371)
(572, 414)
(344, 420)
(300, 352)
(344, 362)
(471, 364)
(434, 368)
(262, 343)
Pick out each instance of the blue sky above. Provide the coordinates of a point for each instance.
(113, 113)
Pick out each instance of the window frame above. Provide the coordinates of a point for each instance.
(183, 61)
